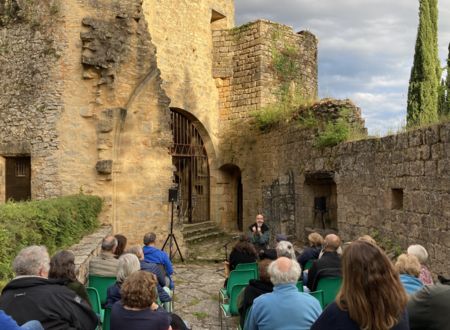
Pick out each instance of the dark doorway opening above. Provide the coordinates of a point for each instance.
(18, 178)
(232, 197)
(192, 169)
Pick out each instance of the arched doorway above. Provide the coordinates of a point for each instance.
(192, 169)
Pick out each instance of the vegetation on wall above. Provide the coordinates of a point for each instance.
(56, 223)
(422, 105)
(444, 92)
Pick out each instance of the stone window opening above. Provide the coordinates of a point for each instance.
(397, 199)
(217, 20)
(18, 178)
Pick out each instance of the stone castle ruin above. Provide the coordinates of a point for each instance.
(125, 99)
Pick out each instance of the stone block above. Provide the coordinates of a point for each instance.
(104, 166)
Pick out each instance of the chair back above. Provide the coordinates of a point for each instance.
(235, 291)
(319, 296)
(309, 264)
(299, 286)
(239, 277)
(249, 266)
(101, 283)
(330, 287)
(107, 319)
(94, 299)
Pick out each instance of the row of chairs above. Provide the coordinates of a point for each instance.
(239, 278)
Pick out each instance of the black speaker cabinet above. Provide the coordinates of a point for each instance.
(173, 194)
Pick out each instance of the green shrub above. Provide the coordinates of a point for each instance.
(56, 223)
(333, 134)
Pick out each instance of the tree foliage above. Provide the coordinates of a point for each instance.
(424, 83)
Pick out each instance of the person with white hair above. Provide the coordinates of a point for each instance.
(421, 253)
(32, 296)
(285, 307)
(285, 249)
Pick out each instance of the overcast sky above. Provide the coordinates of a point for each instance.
(366, 48)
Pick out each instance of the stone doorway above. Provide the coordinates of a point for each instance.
(17, 178)
(320, 200)
(232, 197)
(192, 169)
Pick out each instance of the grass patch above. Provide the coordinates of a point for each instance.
(200, 315)
(194, 302)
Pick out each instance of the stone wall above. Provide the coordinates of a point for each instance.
(31, 90)
(258, 62)
(394, 188)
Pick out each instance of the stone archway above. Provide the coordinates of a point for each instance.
(191, 163)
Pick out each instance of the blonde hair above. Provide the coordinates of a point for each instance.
(371, 290)
(315, 239)
(367, 238)
(419, 251)
(408, 264)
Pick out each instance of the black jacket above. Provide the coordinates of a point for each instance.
(48, 301)
(253, 290)
(329, 265)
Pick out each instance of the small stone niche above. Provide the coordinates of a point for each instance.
(397, 199)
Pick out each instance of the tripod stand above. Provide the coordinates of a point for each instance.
(171, 236)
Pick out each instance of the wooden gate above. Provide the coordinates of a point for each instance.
(18, 178)
(192, 169)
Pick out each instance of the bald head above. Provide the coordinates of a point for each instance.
(332, 242)
(284, 270)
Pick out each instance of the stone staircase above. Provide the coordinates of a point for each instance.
(205, 241)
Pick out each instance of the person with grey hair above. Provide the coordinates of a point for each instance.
(285, 249)
(285, 307)
(105, 264)
(32, 296)
(155, 255)
(128, 264)
(421, 253)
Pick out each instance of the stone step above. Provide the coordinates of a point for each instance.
(198, 231)
(202, 236)
(191, 226)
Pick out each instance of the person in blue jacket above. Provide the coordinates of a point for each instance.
(155, 255)
(408, 266)
(7, 323)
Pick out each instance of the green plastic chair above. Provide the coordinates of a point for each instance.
(231, 309)
(236, 277)
(107, 319)
(249, 266)
(330, 287)
(299, 286)
(309, 264)
(94, 299)
(101, 283)
(319, 296)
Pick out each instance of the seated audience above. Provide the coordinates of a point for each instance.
(62, 267)
(163, 292)
(7, 323)
(105, 264)
(285, 249)
(128, 264)
(285, 307)
(137, 308)
(254, 289)
(242, 252)
(121, 245)
(312, 252)
(32, 296)
(429, 308)
(421, 253)
(155, 255)
(329, 264)
(371, 296)
(408, 267)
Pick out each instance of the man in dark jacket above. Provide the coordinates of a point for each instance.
(329, 264)
(428, 309)
(32, 296)
(259, 234)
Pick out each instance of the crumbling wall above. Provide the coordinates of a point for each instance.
(31, 89)
(393, 188)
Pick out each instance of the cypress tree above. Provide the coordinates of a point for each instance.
(424, 83)
(447, 85)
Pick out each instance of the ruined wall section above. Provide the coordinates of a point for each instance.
(115, 130)
(259, 63)
(393, 188)
(31, 89)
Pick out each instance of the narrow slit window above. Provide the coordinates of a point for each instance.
(397, 199)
